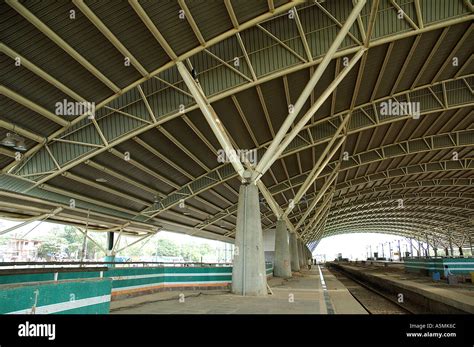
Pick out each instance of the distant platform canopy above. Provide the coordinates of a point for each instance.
(98, 124)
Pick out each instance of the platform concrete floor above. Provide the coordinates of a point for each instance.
(302, 294)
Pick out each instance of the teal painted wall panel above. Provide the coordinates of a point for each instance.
(172, 275)
(114, 272)
(80, 296)
(457, 266)
(269, 269)
(24, 278)
(78, 275)
(119, 279)
(223, 269)
(137, 282)
(48, 276)
(210, 278)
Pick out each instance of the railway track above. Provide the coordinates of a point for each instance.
(372, 300)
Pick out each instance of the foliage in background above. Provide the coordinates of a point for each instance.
(169, 248)
(65, 242)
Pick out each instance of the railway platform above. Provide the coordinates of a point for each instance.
(314, 291)
(420, 294)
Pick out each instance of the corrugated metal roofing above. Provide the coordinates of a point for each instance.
(85, 38)
(375, 141)
(129, 29)
(18, 34)
(176, 30)
(25, 118)
(17, 78)
(202, 10)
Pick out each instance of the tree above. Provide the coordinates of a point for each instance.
(71, 241)
(166, 248)
(48, 248)
(189, 250)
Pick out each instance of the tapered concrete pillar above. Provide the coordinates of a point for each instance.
(110, 256)
(282, 262)
(295, 262)
(300, 254)
(306, 256)
(248, 271)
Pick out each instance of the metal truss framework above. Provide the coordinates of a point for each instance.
(377, 155)
(437, 96)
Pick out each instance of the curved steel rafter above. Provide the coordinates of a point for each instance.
(156, 98)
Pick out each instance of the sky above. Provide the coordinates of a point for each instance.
(354, 246)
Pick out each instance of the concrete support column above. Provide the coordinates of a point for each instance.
(295, 263)
(427, 247)
(451, 246)
(305, 254)
(110, 246)
(282, 261)
(248, 271)
(301, 254)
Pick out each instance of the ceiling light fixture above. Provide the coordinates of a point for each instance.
(15, 141)
(8, 140)
(182, 206)
(20, 146)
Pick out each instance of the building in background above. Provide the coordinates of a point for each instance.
(19, 250)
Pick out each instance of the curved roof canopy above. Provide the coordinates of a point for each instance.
(379, 94)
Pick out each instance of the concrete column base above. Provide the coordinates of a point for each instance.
(248, 271)
(301, 257)
(110, 245)
(295, 262)
(282, 266)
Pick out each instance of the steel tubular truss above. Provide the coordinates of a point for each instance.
(140, 107)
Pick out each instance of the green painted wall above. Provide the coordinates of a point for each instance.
(132, 278)
(115, 281)
(456, 266)
(172, 274)
(85, 296)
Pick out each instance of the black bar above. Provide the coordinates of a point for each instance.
(314, 330)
